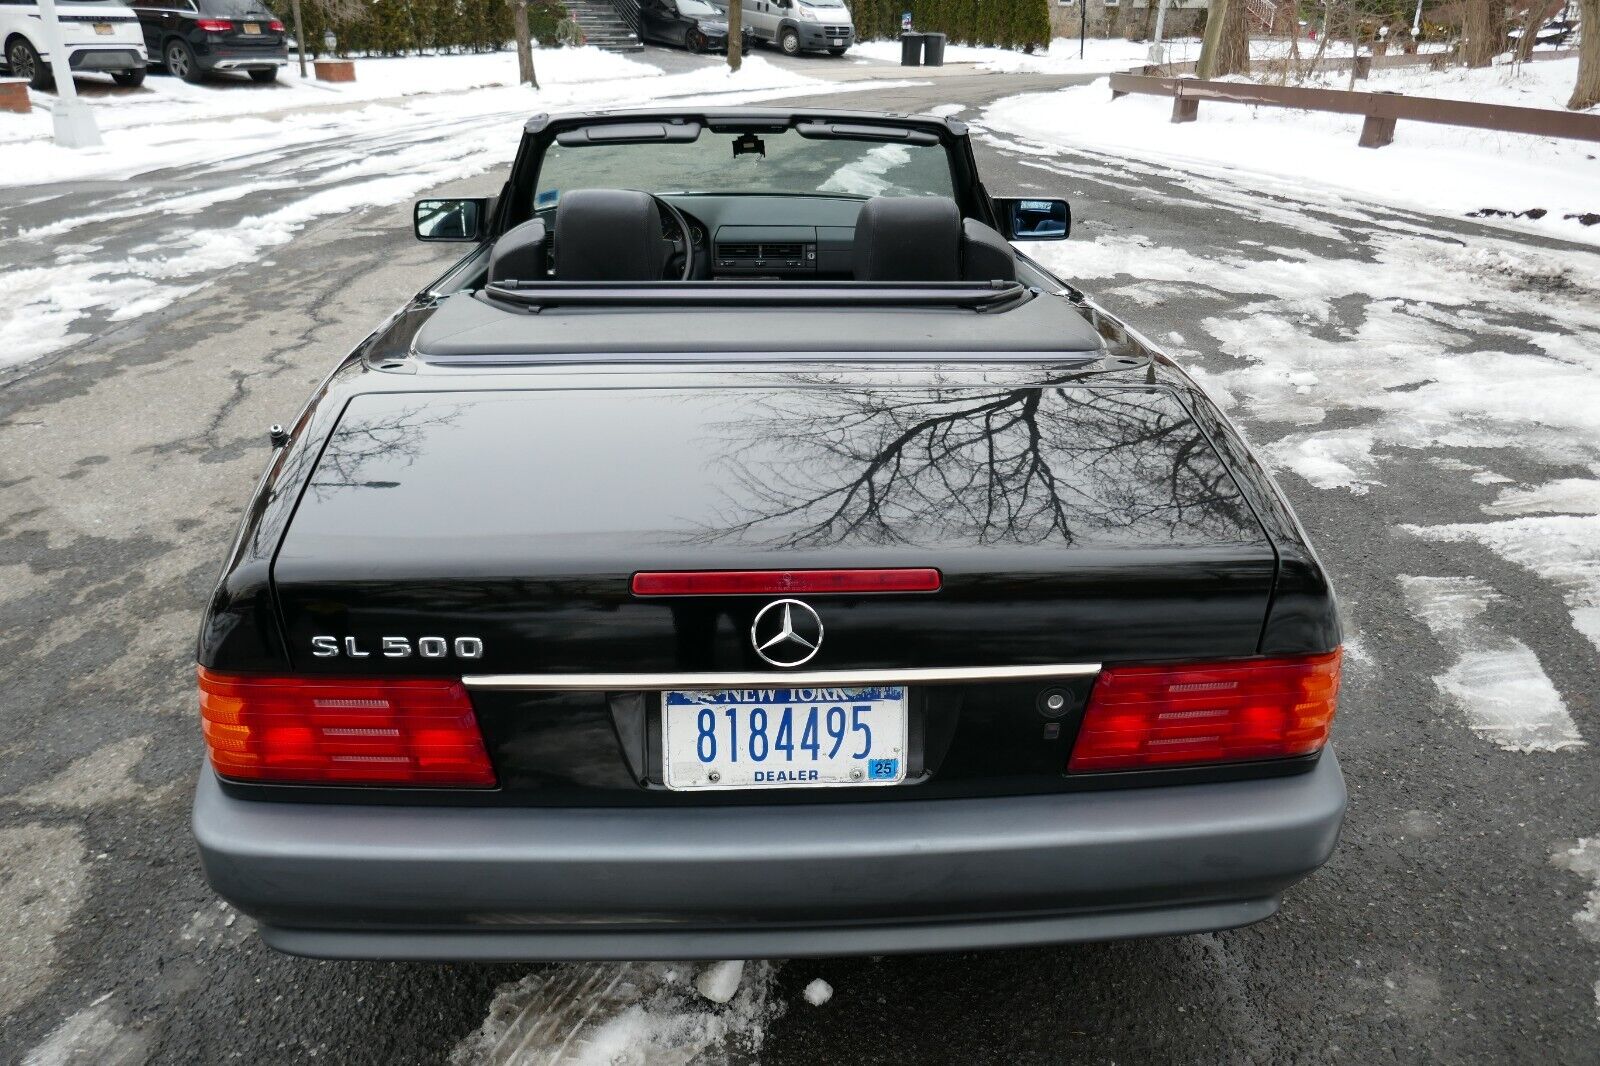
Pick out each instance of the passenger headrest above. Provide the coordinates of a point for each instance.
(908, 238)
(985, 255)
(519, 254)
(609, 235)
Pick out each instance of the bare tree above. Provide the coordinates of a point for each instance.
(1587, 92)
(519, 26)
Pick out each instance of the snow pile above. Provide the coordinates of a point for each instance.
(626, 1014)
(1496, 682)
(1441, 169)
(818, 992)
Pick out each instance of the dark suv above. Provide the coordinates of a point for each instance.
(192, 38)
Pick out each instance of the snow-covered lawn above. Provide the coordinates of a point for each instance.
(1442, 169)
(175, 123)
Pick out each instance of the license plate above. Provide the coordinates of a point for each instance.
(252, 27)
(837, 41)
(103, 29)
(784, 737)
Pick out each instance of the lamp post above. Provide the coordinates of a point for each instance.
(1158, 52)
(299, 38)
(1416, 22)
(73, 121)
(330, 43)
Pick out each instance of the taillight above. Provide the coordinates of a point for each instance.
(1140, 717)
(342, 732)
(275, 26)
(781, 582)
(214, 25)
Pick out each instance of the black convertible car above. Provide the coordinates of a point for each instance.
(718, 561)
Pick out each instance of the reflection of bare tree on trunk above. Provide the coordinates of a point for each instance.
(1020, 465)
(395, 438)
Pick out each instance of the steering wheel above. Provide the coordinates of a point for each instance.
(684, 245)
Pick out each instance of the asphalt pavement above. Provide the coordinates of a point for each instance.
(1442, 931)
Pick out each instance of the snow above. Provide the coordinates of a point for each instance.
(228, 124)
(402, 158)
(93, 1034)
(1564, 496)
(818, 992)
(719, 981)
(1496, 681)
(1583, 859)
(1101, 55)
(1563, 550)
(1440, 169)
(626, 1014)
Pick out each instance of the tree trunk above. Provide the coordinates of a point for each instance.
(1226, 48)
(519, 26)
(1587, 91)
(735, 34)
(1478, 44)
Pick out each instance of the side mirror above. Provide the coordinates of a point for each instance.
(1033, 220)
(450, 220)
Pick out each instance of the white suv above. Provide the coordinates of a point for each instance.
(99, 35)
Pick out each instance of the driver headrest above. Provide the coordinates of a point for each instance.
(908, 238)
(608, 235)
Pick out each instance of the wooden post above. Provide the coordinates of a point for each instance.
(1377, 131)
(1184, 108)
(1363, 67)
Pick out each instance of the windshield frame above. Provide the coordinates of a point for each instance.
(516, 205)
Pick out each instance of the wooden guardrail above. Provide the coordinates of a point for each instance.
(1380, 109)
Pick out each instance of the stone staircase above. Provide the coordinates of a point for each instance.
(602, 25)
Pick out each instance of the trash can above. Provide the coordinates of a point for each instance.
(933, 49)
(911, 49)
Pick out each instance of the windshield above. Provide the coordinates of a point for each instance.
(823, 3)
(697, 9)
(792, 165)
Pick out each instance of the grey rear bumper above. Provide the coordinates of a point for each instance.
(742, 882)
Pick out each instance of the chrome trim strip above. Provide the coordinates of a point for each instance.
(789, 679)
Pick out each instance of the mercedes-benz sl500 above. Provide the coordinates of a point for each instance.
(744, 551)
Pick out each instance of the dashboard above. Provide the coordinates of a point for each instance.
(751, 236)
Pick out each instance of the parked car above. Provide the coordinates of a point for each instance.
(193, 38)
(692, 24)
(759, 570)
(797, 26)
(99, 35)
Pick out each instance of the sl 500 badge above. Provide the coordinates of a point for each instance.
(397, 648)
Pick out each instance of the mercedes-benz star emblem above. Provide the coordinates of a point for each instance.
(786, 632)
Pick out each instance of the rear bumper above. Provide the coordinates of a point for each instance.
(222, 58)
(747, 882)
(106, 59)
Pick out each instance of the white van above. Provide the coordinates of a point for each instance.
(99, 35)
(797, 26)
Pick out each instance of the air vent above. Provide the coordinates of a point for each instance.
(782, 251)
(739, 251)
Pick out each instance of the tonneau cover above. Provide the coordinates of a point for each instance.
(468, 326)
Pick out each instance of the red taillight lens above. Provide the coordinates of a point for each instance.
(342, 732)
(275, 26)
(214, 25)
(782, 582)
(1141, 717)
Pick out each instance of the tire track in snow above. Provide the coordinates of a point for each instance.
(1496, 682)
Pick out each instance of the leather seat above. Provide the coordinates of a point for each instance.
(924, 238)
(609, 235)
